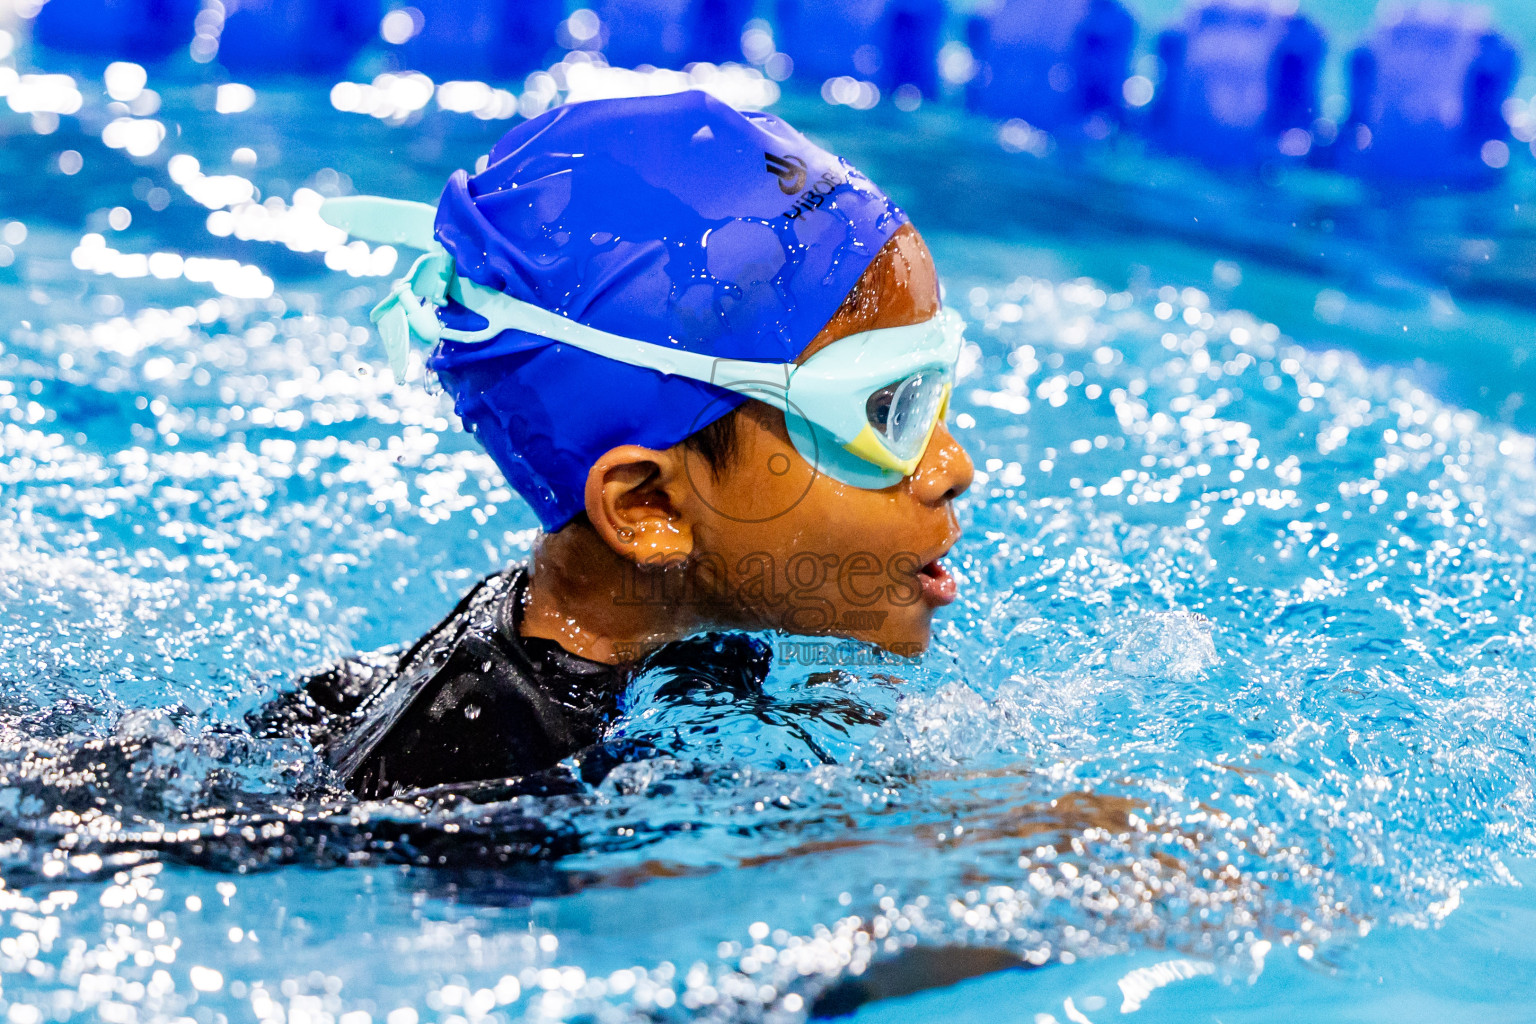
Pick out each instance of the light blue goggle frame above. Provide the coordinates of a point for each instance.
(862, 410)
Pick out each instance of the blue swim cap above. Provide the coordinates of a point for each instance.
(674, 220)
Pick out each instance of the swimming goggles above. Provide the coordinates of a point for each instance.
(862, 410)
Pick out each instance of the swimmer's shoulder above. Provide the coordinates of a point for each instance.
(472, 699)
(321, 706)
(475, 700)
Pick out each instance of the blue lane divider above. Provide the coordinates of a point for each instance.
(1240, 85)
(1061, 66)
(1427, 91)
(889, 42)
(461, 39)
(136, 30)
(672, 33)
(275, 37)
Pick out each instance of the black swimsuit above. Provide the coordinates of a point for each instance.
(475, 700)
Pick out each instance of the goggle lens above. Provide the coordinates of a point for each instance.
(903, 412)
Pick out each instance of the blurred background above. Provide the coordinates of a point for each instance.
(1353, 173)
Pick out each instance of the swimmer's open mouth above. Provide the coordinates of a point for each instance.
(939, 587)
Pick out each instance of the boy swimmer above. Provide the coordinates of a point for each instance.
(713, 359)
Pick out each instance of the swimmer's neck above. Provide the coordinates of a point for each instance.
(595, 604)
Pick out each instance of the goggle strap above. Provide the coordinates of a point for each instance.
(383, 221)
(766, 381)
(411, 309)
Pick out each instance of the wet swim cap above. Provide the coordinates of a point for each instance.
(674, 220)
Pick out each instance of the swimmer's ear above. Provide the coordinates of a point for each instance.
(634, 503)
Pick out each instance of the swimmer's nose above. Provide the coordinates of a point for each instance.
(946, 471)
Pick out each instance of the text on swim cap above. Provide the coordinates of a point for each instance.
(790, 170)
(817, 194)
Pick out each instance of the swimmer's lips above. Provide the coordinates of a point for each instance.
(939, 587)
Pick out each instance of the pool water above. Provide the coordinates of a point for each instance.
(1233, 720)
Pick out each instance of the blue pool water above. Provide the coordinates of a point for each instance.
(1233, 721)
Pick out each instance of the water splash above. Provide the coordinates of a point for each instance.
(1242, 670)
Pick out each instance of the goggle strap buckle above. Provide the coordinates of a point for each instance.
(410, 308)
(766, 382)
